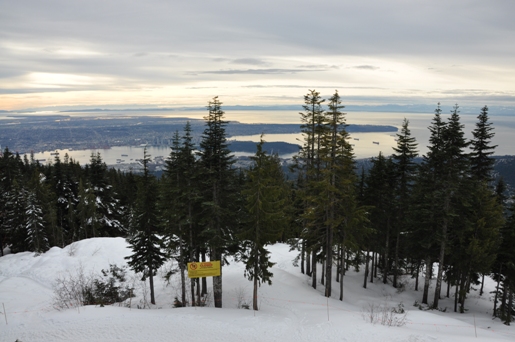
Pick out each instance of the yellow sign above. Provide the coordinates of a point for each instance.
(203, 269)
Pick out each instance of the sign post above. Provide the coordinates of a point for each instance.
(204, 269)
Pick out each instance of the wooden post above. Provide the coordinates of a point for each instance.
(327, 309)
(5, 314)
(475, 329)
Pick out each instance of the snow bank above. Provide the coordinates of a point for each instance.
(290, 310)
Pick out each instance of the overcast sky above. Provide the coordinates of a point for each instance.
(268, 52)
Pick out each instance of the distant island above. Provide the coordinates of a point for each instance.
(278, 147)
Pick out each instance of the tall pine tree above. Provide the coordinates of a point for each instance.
(146, 242)
(218, 192)
(266, 195)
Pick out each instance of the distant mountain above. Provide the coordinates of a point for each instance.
(399, 108)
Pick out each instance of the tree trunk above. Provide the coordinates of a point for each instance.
(441, 261)
(427, 280)
(314, 270)
(342, 273)
(338, 264)
(192, 282)
(463, 292)
(255, 295)
(503, 302)
(417, 273)
(204, 279)
(302, 256)
(386, 250)
(456, 297)
(510, 307)
(396, 267)
(192, 251)
(256, 272)
(197, 280)
(366, 269)
(497, 291)
(482, 284)
(372, 267)
(217, 281)
(151, 282)
(322, 276)
(376, 265)
(183, 284)
(308, 262)
(183, 277)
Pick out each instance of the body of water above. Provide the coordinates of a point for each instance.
(365, 144)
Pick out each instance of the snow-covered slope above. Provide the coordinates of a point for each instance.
(290, 310)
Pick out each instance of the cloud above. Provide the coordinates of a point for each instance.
(366, 67)
(307, 86)
(257, 71)
(201, 87)
(318, 66)
(248, 61)
(291, 46)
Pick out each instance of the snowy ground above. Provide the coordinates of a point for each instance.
(290, 310)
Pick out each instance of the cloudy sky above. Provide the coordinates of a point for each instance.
(269, 52)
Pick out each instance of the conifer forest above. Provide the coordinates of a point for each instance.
(445, 218)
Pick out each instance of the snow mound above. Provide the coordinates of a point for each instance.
(290, 309)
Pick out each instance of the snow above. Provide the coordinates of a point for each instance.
(290, 310)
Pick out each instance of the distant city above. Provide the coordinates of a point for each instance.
(27, 133)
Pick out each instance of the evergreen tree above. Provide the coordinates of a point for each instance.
(443, 187)
(180, 201)
(146, 244)
(337, 180)
(405, 168)
(65, 198)
(35, 225)
(504, 271)
(107, 208)
(313, 126)
(15, 211)
(9, 172)
(86, 213)
(455, 173)
(481, 161)
(428, 198)
(190, 196)
(172, 210)
(218, 192)
(476, 242)
(379, 194)
(266, 196)
(37, 203)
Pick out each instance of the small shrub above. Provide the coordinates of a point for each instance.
(178, 304)
(110, 288)
(385, 315)
(70, 288)
(402, 286)
(399, 309)
(241, 298)
(206, 300)
(74, 290)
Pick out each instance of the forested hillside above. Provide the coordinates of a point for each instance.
(401, 217)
